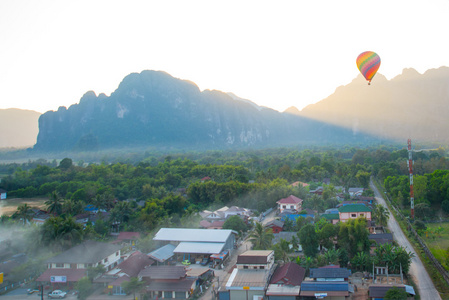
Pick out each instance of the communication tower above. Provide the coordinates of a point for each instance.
(410, 169)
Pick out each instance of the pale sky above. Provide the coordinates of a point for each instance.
(274, 53)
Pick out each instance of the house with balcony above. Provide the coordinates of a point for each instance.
(70, 266)
(291, 202)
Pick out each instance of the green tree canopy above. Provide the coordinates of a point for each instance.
(261, 237)
(396, 294)
(309, 240)
(235, 223)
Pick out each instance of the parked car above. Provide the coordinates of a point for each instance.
(205, 261)
(32, 291)
(57, 294)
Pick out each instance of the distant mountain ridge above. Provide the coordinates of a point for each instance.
(152, 108)
(410, 105)
(18, 127)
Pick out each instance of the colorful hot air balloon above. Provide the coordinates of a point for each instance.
(368, 63)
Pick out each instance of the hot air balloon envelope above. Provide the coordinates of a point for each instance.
(368, 63)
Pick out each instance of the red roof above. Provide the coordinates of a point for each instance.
(290, 200)
(73, 275)
(183, 285)
(135, 263)
(163, 272)
(214, 224)
(128, 235)
(205, 224)
(289, 274)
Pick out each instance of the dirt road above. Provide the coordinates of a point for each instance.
(425, 285)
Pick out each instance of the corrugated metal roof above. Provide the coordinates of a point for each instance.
(183, 285)
(254, 257)
(203, 248)
(163, 272)
(379, 290)
(324, 286)
(354, 208)
(329, 273)
(193, 235)
(163, 253)
(283, 290)
(289, 274)
(250, 278)
(331, 216)
(87, 252)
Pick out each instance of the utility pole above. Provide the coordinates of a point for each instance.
(410, 168)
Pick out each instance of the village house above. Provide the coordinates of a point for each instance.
(39, 216)
(194, 245)
(216, 218)
(211, 225)
(128, 238)
(330, 274)
(318, 191)
(379, 291)
(130, 267)
(291, 202)
(275, 225)
(331, 218)
(285, 284)
(163, 255)
(354, 211)
(354, 192)
(163, 282)
(325, 290)
(2, 194)
(249, 280)
(67, 268)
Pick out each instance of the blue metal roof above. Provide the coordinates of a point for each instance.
(329, 273)
(324, 286)
(293, 217)
(163, 253)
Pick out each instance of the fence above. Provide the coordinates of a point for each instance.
(429, 254)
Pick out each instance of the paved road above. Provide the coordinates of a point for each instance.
(222, 276)
(425, 285)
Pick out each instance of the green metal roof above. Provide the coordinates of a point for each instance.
(354, 208)
(331, 216)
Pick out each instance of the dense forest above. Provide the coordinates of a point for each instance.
(170, 187)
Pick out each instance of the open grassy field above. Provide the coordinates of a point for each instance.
(438, 243)
(9, 206)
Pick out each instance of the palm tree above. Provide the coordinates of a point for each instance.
(24, 212)
(261, 237)
(382, 214)
(306, 262)
(282, 249)
(54, 203)
(71, 233)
